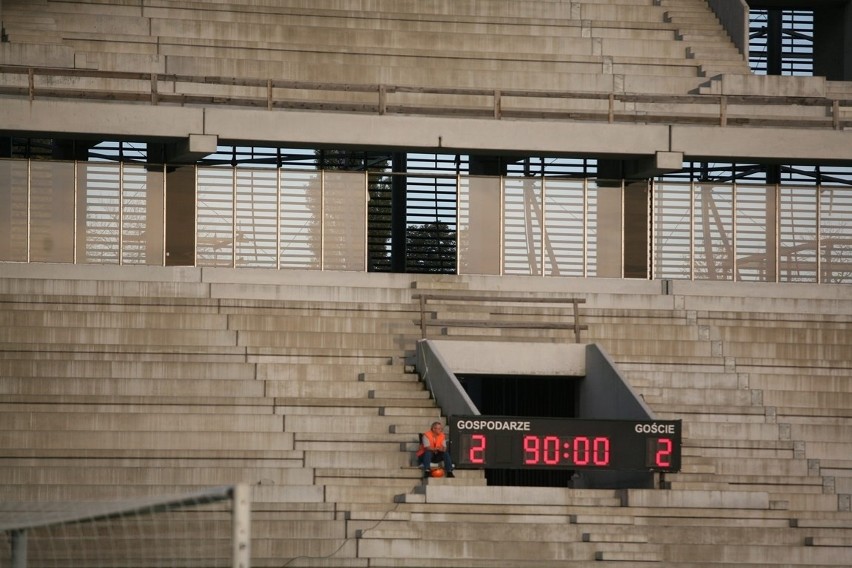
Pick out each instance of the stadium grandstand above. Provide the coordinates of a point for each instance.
(250, 251)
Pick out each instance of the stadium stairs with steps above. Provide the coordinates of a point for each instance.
(660, 60)
(120, 383)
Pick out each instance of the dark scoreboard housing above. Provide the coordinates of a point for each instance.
(515, 442)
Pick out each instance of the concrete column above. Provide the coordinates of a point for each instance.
(180, 216)
(636, 224)
(399, 206)
(610, 231)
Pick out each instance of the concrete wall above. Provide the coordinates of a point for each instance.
(734, 17)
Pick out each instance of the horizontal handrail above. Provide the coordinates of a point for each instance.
(497, 109)
(426, 322)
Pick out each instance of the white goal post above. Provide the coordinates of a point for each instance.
(207, 528)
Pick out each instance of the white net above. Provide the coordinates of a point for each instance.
(206, 529)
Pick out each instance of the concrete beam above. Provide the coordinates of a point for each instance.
(191, 149)
(779, 145)
(98, 120)
(640, 168)
(518, 137)
(659, 145)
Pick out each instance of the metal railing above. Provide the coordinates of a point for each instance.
(493, 317)
(37, 83)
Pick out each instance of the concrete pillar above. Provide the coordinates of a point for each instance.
(180, 216)
(636, 224)
(399, 206)
(610, 232)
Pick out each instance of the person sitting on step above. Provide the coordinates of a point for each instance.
(433, 449)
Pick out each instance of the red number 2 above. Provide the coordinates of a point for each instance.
(663, 457)
(477, 449)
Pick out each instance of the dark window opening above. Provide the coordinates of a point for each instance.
(513, 395)
(781, 42)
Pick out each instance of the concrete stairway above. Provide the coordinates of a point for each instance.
(631, 46)
(122, 382)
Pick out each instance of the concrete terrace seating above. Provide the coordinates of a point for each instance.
(118, 382)
(633, 46)
(136, 389)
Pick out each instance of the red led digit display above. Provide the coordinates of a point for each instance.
(555, 450)
(663, 457)
(477, 448)
(504, 442)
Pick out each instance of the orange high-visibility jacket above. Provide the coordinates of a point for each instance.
(435, 441)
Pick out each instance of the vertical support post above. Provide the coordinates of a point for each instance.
(120, 213)
(777, 232)
(278, 170)
(734, 264)
(423, 316)
(543, 224)
(458, 217)
(585, 227)
(234, 211)
(623, 226)
(155, 91)
(18, 541)
(165, 212)
(652, 229)
(819, 277)
(399, 210)
(692, 230)
(76, 205)
(577, 326)
(195, 206)
(29, 207)
(502, 223)
(241, 523)
(366, 220)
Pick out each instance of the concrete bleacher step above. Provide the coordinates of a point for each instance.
(82, 440)
(22, 367)
(123, 336)
(111, 319)
(335, 371)
(70, 492)
(808, 382)
(357, 425)
(139, 422)
(839, 401)
(136, 405)
(718, 396)
(117, 474)
(104, 387)
(640, 47)
(540, 496)
(353, 460)
(344, 389)
(392, 406)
